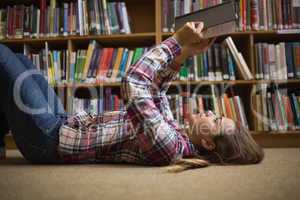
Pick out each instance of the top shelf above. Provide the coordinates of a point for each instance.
(132, 39)
(256, 33)
(121, 39)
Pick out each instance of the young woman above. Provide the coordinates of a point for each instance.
(145, 133)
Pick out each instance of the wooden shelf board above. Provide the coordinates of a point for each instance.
(265, 139)
(273, 32)
(278, 81)
(236, 82)
(287, 139)
(179, 82)
(116, 37)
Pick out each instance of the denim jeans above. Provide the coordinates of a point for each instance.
(31, 108)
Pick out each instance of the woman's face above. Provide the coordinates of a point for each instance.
(205, 126)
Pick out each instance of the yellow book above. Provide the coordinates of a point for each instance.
(259, 112)
(51, 69)
(116, 66)
(233, 109)
(87, 62)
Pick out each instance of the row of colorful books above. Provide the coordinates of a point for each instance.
(180, 104)
(226, 105)
(252, 14)
(80, 17)
(215, 64)
(98, 64)
(92, 65)
(275, 109)
(269, 15)
(277, 61)
(96, 106)
(221, 62)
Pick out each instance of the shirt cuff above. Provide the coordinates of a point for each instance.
(189, 148)
(175, 66)
(173, 45)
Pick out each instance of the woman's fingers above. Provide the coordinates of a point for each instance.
(199, 26)
(212, 41)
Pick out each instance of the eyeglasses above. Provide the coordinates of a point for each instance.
(218, 121)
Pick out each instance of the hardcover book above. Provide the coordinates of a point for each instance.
(218, 20)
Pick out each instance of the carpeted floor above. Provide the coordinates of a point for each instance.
(278, 177)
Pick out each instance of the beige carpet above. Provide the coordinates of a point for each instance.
(278, 177)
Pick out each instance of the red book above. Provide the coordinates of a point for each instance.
(109, 61)
(237, 110)
(254, 15)
(15, 21)
(42, 16)
(117, 103)
(289, 14)
(101, 65)
(185, 105)
(228, 107)
(278, 4)
(104, 64)
(289, 112)
(244, 10)
(108, 103)
(9, 21)
(297, 59)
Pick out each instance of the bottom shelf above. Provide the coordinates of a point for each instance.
(266, 140)
(277, 140)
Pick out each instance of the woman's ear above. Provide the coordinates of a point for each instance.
(208, 144)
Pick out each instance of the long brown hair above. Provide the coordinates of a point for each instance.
(231, 149)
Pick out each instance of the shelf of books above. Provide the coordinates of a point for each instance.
(84, 48)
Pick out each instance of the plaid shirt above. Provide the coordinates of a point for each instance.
(146, 133)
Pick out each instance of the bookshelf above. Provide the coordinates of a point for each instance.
(146, 19)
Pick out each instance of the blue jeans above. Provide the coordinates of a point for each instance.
(31, 108)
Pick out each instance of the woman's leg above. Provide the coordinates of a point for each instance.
(31, 117)
(47, 90)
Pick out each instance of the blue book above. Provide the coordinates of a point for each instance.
(96, 64)
(66, 20)
(205, 66)
(289, 59)
(296, 48)
(100, 105)
(295, 108)
(231, 67)
(123, 64)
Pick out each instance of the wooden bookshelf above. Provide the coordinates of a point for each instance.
(265, 139)
(147, 31)
(182, 83)
(134, 39)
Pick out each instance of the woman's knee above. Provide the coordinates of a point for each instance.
(5, 53)
(27, 63)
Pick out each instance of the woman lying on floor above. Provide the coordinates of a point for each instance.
(145, 133)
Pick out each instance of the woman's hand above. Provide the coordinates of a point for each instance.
(191, 40)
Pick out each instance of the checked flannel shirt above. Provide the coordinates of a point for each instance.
(146, 132)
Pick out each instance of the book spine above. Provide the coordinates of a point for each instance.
(290, 60)
(254, 14)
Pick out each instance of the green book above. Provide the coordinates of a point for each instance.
(138, 52)
(113, 18)
(82, 63)
(184, 71)
(200, 66)
(78, 58)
